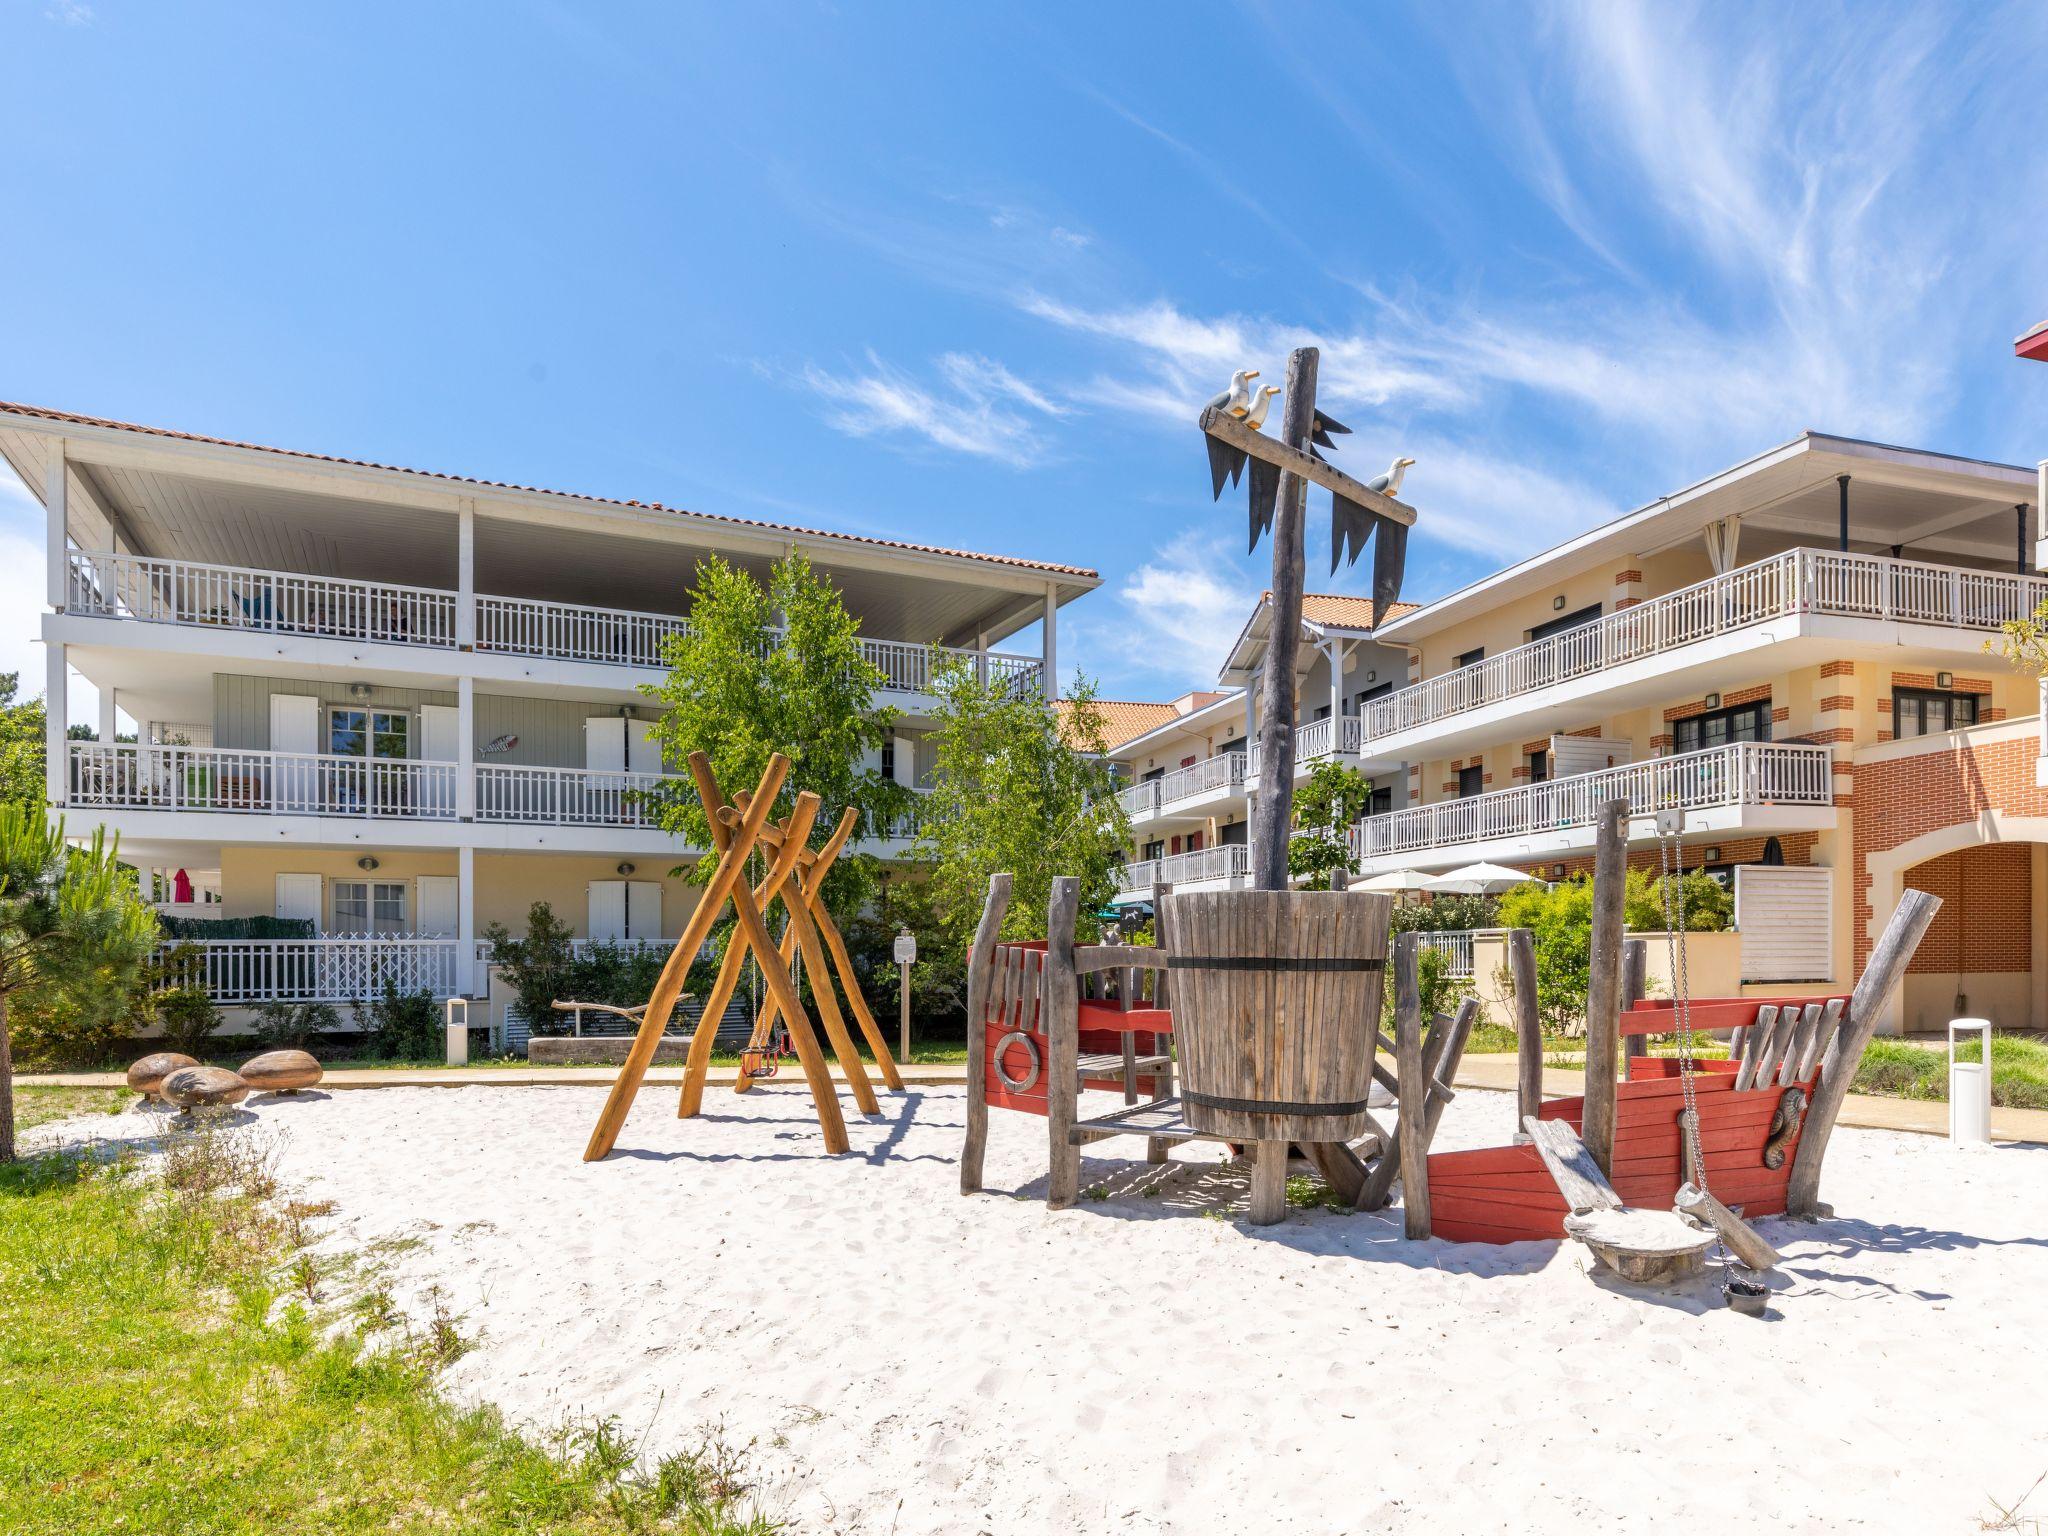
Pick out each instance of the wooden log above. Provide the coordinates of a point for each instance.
(1273, 810)
(727, 874)
(811, 949)
(1269, 1182)
(1581, 1181)
(1341, 1168)
(820, 864)
(1688, 1127)
(1742, 1239)
(1802, 1038)
(1414, 1106)
(1887, 964)
(1809, 1054)
(980, 959)
(1528, 1027)
(1635, 970)
(1060, 1011)
(1753, 1043)
(1222, 425)
(1603, 987)
(1446, 1068)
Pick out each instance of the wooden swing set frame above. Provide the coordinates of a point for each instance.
(795, 877)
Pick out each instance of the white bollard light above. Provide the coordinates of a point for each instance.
(458, 1031)
(1969, 1088)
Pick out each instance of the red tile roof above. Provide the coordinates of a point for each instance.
(70, 418)
(1122, 719)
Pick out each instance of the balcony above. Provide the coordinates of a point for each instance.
(1832, 596)
(321, 970)
(1189, 790)
(217, 779)
(237, 598)
(576, 797)
(1224, 867)
(1752, 786)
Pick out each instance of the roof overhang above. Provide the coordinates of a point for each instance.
(1943, 505)
(1208, 714)
(1247, 653)
(2034, 343)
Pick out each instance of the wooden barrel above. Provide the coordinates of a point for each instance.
(1276, 1009)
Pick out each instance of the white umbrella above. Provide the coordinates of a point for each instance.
(1398, 881)
(1477, 880)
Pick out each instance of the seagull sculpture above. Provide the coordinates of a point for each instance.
(1238, 398)
(1255, 418)
(1389, 484)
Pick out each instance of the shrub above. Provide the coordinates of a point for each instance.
(402, 1025)
(1441, 991)
(188, 1019)
(288, 1026)
(533, 964)
(1443, 913)
(1705, 903)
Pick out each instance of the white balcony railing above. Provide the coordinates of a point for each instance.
(1224, 861)
(1748, 773)
(1799, 581)
(322, 970)
(1338, 734)
(1223, 772)
(566, 796)
(125, 776)
(188, 592)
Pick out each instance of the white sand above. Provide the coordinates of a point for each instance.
(912, 1361)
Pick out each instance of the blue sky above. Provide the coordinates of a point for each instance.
(962, 275)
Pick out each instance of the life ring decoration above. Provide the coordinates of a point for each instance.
(1029, 1080)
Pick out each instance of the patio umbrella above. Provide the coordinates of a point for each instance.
(1477, 880)
(1398, 881)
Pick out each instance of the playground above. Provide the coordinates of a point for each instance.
(909, 1360)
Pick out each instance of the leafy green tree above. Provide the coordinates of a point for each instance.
(72, 924)
(1023, 787)
(1706, 903)
(1560, 920)
(21, 745)
(1325, 810)
(777, 669)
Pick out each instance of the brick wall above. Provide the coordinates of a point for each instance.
(1986, 917)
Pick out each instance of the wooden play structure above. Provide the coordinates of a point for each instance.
(1685, 1135)
(795, 877)
(1051, 1020)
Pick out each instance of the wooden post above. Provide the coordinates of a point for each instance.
(1603, 987)
(1528, 1029)
(1274, 808)
(1635, 970)
(979, 960)
(731, 872)
(1269, 1182)
(1411, 1127)
(1881, 974)
(1060, 1009)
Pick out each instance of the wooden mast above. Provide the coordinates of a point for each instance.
(1273, 811)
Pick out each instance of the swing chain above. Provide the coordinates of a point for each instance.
(1671, 870)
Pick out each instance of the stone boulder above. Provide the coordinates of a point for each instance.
(281, 1072)
(204, 1088)
(146, 1076)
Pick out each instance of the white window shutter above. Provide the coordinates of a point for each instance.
(294, 722)
(1786, 916)
(906, 759)
(436, 906)
(643, 909)
(298, 896)
(604, 744)
(608, 909)
(440, 732)
(643, 752)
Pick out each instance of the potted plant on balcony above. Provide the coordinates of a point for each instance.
(1277, 990)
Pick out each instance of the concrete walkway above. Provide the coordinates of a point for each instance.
(1498, 1072)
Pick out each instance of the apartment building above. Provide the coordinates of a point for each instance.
(1795, 653)
(1193, 771)
(397, 705)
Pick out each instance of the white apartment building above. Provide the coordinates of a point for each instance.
(1194, 771)
(399, 705)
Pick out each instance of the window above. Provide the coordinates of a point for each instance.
(1155, 849)
(1923, 712)
(1717, 728)
(368, 733)
(889, 759)
(369, 906)
(1322, 711)
(1471, 657)
(1539, 765)
(1235, 835)
(1381, 803)
(1471, 781)
(1568, 621)
(1235, 744)
(1367, 695)
(1151, 774)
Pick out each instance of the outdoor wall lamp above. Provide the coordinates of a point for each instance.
(366, 863)
(1557, 603)
(1712, 701)
(1714, 855)
(1944, 679)
(359, 690)
(625, 866)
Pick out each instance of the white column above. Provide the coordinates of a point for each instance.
(465, 748)
(1052, 634)
(2041, 500)
(1334, 649)
(465, 577)
(465, 920)
(56, 717)
(107, 731)
(56, 516)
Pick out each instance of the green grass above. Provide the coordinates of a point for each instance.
(40, 1106)
(1901, 1070)
(167, 1366)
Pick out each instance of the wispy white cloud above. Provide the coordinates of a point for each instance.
(1182, 609)
(977, 407)
(71, 13)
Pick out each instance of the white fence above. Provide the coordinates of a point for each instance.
(1225, 861)
(1225, 771)
(1811, 581)
(232, 597)
(527, 626)
(567, 796)
(1748, 773)
(125, 776)
(327, 970)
